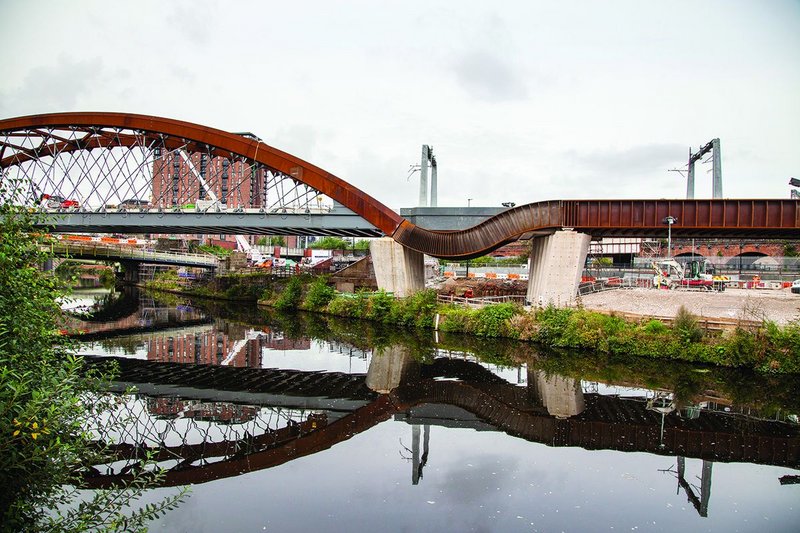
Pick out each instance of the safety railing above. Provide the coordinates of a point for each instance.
(481, 301)
(118, 252)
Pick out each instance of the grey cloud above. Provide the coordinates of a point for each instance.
(633, 160)
(487, 76)
(55, 87)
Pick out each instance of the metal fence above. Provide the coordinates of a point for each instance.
(479, 302)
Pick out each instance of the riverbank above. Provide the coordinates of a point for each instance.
(666, 324)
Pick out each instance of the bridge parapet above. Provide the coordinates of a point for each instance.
(104, 251)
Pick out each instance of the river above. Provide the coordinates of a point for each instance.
(305, 422)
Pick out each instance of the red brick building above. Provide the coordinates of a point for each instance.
(234, 182)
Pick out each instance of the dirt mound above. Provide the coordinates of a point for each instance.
(481, 287)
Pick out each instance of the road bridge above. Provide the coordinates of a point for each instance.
(99, 166)
(100, 251)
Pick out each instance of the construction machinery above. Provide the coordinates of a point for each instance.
(695, 274)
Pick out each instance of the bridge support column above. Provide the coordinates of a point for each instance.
(561, 396)
(398, 269)
(130, 271)
(389, 368)
(556, 264)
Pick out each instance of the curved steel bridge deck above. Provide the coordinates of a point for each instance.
(38, 143)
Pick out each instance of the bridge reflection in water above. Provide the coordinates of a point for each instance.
(203, 423)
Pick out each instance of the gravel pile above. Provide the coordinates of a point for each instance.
(780, 306)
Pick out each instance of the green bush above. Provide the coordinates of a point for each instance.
(655, 327)
(416, 310)
(330, 243)
(346, 307)
(319, 294)
(493, 320)
(215, 249)
(47, 399)
(552, 322)
(380, 306)
(456, 318)
(685, 324)
(291, 296)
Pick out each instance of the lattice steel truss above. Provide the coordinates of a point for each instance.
(100, 169)
(180, 433)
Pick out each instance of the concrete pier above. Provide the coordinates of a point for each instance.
(398, 270)
(389, 368)
(556, 264)
(561, 396)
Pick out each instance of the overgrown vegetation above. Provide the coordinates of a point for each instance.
(768, 392)
(215, 249)
(769, 348)
(69, 272)
(291, 296)
(46, 401)
(249, 286)
(330, 243)
(271, 241)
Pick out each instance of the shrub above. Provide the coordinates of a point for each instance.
(291, 296)
(655, 327)
(456, 318)
(47, 398)
(380, 306)
(493, 320)
(524, 326)
(319, 294)
(343, 306)
(685, 324)
(552, 322)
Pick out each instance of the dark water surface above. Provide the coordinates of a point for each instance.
(303, 423)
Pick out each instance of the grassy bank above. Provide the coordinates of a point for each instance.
(769, 393)
(239, 287)
(766, 348)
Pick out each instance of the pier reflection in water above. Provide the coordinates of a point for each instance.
(295, 423)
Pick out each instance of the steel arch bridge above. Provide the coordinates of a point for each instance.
(119, 172)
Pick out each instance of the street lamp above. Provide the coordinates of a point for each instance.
(669, 220)
(469, 201)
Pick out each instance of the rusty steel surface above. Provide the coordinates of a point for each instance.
(351, 197)
(721, 218)
(734, 218)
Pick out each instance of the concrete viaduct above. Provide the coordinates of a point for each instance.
(105, 163)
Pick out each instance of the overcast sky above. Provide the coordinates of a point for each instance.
(521, 101)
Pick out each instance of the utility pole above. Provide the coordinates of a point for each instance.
(716, 163)
(423, 177)
(434, 184)
(428, 159)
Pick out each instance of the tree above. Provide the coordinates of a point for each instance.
(44, 393)
(362, 245)
(330, 243)
(271, 241)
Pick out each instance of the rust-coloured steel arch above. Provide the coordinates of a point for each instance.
(740, 218)
(351, 197)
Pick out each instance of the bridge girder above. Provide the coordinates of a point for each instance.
(27, 142)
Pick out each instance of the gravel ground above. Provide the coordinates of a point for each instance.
(780, 306)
